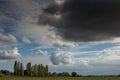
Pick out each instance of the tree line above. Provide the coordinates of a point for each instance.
(37, 70)
(31, 70)
(64, 74)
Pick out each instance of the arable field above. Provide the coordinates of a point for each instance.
(60, 78)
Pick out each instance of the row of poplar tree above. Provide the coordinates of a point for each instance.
(31, 70)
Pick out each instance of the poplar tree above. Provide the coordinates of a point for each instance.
(15, 67)
(30, 69)
(27, 69)
(38, 69)
(36, 72)
(42, 74)
(21, 70)
(33, 70)
(46, 70)
(18, 68)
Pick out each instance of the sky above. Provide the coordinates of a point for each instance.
(67, 35)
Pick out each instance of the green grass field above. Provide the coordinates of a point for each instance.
(60, 78)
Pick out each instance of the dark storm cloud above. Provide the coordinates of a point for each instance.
(84, 20)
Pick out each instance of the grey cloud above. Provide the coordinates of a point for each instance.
(8, 38)
(27, 11)
(19, 10)
(84, 20)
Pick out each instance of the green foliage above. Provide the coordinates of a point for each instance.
(6, 72)
(18, 68)
(74, 74)
(54, 74)
(15, 68)
(46, 71)
(21, 70)
(29, 69)
(37, 70)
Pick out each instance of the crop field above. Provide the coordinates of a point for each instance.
(60, 78)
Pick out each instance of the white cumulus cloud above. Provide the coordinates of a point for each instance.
(110, 54)
(9, 54)
(60, 57)
(40, 52)
(26, 40)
